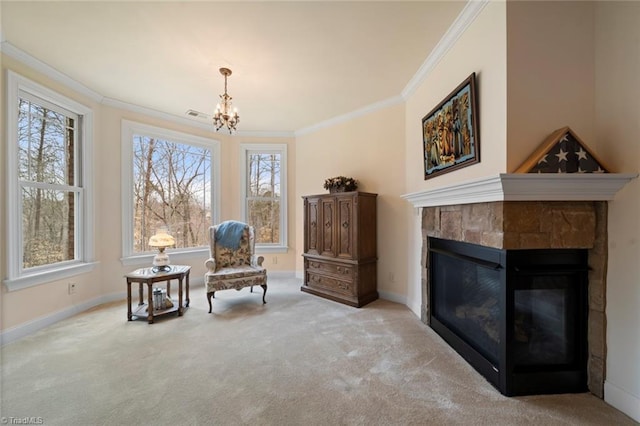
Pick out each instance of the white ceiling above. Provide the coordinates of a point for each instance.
(295, 64)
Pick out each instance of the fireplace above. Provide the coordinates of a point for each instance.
(519, 317)
(529, 211)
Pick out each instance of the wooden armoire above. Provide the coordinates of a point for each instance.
(340, 247)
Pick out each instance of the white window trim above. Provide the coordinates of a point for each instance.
(18, 279)
(129, 128)
(281, 149)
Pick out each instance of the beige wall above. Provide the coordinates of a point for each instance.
(106, 281)
(481, 49)
(370, 149)
(556, 77)
(19, 307)
(3, 183)
(110, 198)
(617, 131)
(550, 78)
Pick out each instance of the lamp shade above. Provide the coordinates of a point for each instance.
(161, 239)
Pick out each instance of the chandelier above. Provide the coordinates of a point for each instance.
(223, 115)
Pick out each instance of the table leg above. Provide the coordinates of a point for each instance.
(129, 313)
(168, 288)
(150, 304)
(187, 301)
(140, 292)
(180, 296)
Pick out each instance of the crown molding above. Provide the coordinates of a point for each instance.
(466, 17)
(187, 121)
(468, 14)
(37, 65)
(525, 187)
(351, 115)
(115, 103)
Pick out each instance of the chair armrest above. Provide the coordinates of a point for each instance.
(210, 264)
(257, 260)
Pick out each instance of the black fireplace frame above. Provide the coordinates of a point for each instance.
(513, 267)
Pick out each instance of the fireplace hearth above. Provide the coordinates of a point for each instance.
(519, 317)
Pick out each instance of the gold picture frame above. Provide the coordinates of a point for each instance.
(450, 131)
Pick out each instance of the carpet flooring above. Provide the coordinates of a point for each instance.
(298, 360)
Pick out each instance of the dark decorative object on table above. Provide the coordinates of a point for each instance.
(340, 184)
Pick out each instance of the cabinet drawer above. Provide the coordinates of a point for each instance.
(345, 272)
(329, 283)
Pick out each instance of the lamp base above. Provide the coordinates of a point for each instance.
(161, 262)
(161, 268)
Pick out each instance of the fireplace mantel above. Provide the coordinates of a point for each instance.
(525, 187)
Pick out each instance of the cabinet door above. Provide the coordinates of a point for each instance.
(345, 227)
(312, 226)
(327, 233)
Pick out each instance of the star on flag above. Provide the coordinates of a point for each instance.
(567, 156)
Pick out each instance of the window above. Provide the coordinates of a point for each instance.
(49, 191)
(168, 182)
(264, 193)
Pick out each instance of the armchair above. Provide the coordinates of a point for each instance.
(233, 263)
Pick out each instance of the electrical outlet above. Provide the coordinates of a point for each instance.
(72, 288)
(392, 278)
(275, 260)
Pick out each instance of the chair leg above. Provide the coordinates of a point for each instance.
(251, 291)
(209, 296)
(264, 286)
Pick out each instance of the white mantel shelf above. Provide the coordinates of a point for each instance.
(525, 187)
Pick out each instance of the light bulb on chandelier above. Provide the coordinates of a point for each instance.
(225, 114)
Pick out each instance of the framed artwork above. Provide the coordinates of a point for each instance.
(450, 131)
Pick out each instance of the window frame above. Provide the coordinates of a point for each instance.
(17, 277)
(245, 150)
(128, 129)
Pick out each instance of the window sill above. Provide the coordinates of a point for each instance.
(175, 256)
(50, 275)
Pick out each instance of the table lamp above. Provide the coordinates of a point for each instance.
(161, 240)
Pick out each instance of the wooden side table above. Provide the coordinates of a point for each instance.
(148, 277)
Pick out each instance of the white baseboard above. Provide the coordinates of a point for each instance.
(18, 332)
(30, 327)
(622, 400)
(392, 297)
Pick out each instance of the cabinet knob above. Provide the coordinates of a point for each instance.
(345, 225)
(327, 225)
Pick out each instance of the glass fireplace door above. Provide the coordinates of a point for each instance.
(546, 320)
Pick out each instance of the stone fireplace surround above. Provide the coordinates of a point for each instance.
(526, 211)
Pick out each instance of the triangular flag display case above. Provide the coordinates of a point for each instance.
(563, 152)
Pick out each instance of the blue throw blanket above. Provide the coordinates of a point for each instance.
(228, 234)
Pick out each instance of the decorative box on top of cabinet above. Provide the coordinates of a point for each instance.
(340, 247)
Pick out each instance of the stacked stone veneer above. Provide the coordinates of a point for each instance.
(533, 225)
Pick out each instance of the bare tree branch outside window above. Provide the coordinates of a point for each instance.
(47, 169)
(263, 196)
(171, 189)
